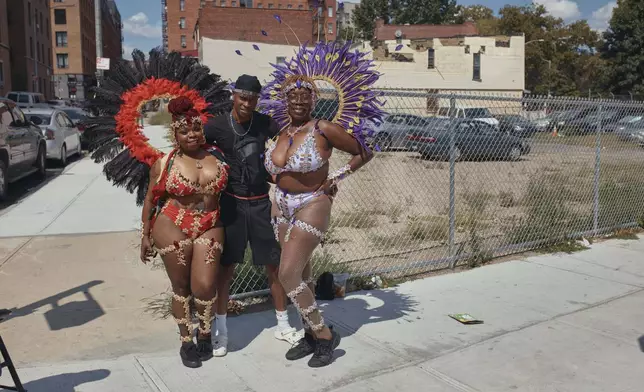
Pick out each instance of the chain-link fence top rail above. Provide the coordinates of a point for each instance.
(460, 178)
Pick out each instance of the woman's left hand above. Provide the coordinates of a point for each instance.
(329, 188)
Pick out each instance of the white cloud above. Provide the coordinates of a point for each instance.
(600, 17)
(139, 25)
(564, 9)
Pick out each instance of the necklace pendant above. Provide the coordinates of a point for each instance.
(199, 165)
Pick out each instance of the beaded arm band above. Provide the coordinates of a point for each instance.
(340, 174)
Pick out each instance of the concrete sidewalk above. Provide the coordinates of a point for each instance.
(552, 323)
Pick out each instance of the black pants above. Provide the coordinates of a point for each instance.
(248, 221)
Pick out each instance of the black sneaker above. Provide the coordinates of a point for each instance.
(303, 348)
(204, 348)
(323, 354)
(190, 355)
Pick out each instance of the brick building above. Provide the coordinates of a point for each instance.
(74, 43)
(30, 46)
(180, 17)
(5, 63)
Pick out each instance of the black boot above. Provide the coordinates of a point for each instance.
(204, 348)
(324, 348)
(190, 355)
(303, 348)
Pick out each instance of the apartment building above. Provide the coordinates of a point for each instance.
(30, 46)
(74, 43)
(5, 63)
(180, 17)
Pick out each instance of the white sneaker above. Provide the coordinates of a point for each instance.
(220, 345)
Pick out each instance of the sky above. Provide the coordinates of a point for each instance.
(142, 18)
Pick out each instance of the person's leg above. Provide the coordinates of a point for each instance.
(236, 239)
(266, 252)
(176, 252)
(206, 256)
(305, 235)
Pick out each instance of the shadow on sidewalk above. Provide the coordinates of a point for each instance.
(349, 313)
(68, 315)
(66, 382)
(641, 341)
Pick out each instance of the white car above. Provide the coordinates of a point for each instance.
(63, 137)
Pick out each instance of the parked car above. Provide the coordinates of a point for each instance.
(632, 133)
(25, 99)
(590, 123)
(473, 139)
(392, 133)
(23, 149)
(623, 123)
(481, 114)
(63, 138)
(518, 126)
(78, 116)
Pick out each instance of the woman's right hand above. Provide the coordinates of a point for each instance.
(146, 249)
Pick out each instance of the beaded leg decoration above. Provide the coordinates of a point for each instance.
(213, 246)
(177, 246)
(310, 313)
(204, 315)
(278, 220)
(185, 318)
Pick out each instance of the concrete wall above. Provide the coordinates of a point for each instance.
(502, 68)
(220, 56)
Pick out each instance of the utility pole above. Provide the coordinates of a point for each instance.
(99, 37)
(34, 79)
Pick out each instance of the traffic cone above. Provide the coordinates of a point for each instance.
(555, 133)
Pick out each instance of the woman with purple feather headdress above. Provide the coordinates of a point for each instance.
(298, 160)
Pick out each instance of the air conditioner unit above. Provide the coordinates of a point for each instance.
(184, 45)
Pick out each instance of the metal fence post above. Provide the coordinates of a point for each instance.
(598, 149)
(452, 184)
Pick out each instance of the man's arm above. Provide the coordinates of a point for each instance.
(273, 128)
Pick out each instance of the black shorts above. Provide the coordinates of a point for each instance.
(248, 221)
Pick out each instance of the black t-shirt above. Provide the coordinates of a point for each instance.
(244, 149)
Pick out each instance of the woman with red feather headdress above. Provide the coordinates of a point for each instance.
(179, 190)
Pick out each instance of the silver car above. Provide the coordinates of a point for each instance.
(63, 137)
(393, 133)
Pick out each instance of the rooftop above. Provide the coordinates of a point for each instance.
(385, 32)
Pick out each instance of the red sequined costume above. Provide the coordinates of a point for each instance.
(192, 222)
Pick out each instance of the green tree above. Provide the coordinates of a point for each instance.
(623, 47)
(474, 13)
(365, 15)
(426, 12)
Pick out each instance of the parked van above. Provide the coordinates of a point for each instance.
(25, 99)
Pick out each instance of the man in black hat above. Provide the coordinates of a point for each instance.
(245, 205)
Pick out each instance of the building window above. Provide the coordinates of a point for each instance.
(476, 74)
(29, 12)
(183, 41)
(330, 12)
(270, 6)
(31, 47)
(41, 26)
(61, 39)
(329, 27)
(182, 23)
(246, 3)
(233, 3)
(280, 59)
(260, 5)
(48, 29)
(38, 51)
(1, 74)
(300, 6)
(62, 60)
(431, 58)
(289, 6)
(58, 1)
(182, 5)
(60, 17)
(222, 3)
(49, 56)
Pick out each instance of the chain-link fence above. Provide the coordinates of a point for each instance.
(460, 178)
